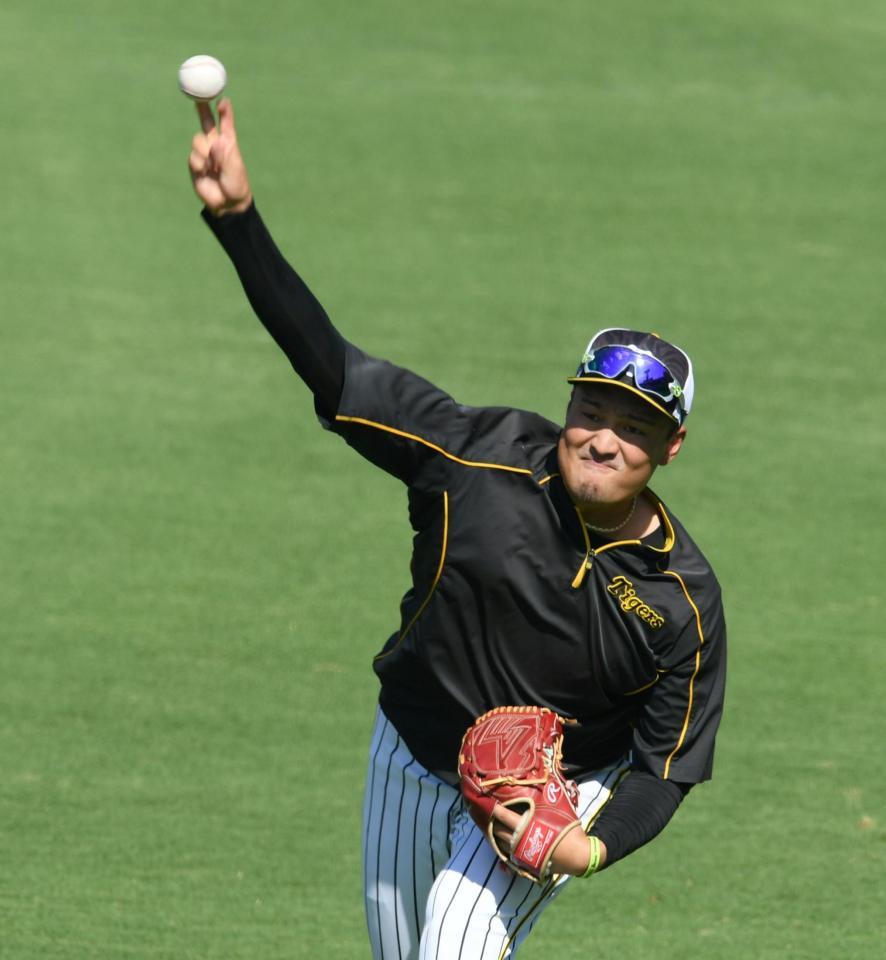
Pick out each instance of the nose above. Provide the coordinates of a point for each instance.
(603, 444)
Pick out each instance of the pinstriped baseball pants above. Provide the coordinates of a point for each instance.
(434, 888)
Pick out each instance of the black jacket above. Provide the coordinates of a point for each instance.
(511, 602)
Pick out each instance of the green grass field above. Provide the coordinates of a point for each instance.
(195, 577)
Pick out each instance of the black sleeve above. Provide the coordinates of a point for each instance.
(675, 735)
(284, 304)
(639, 810)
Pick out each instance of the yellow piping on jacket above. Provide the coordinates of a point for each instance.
(439, 573)
(432, 446)
(682, 736)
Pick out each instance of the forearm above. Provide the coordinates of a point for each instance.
(639, 810)
(284, 304)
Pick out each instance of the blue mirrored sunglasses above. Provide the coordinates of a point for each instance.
(649, 375)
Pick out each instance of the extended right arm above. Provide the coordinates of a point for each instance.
(278, 295)
(284, 304)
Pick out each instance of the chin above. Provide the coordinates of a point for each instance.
(590, 494)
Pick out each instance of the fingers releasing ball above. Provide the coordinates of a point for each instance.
(202, 77)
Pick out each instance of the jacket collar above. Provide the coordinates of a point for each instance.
(552, 480)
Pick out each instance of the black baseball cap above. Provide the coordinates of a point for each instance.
(645, 364)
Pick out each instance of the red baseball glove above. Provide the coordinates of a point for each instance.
(513, 756)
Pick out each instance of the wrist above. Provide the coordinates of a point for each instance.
(236, 206)
(242, 205)
(596, 856)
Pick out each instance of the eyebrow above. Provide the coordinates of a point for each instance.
(628, 414)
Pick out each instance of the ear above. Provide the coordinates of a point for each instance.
(673, 446)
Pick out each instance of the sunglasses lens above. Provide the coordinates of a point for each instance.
(653, 376)
(611, 361)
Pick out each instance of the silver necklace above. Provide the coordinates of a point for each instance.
(618, 526)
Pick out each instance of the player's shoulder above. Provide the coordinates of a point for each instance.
(686, 559)
(690, 594)
(513, 435)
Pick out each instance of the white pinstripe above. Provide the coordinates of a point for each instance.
(434, 888)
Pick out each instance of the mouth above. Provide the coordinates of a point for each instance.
(589, 463)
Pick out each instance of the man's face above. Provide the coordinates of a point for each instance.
(612, 443)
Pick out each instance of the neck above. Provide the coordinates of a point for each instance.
(630, 520)
(612, 519)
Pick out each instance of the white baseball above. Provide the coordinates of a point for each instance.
(202, 77)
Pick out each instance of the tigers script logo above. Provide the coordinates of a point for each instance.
(624, 591)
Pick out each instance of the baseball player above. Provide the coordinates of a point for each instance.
(544, 572)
